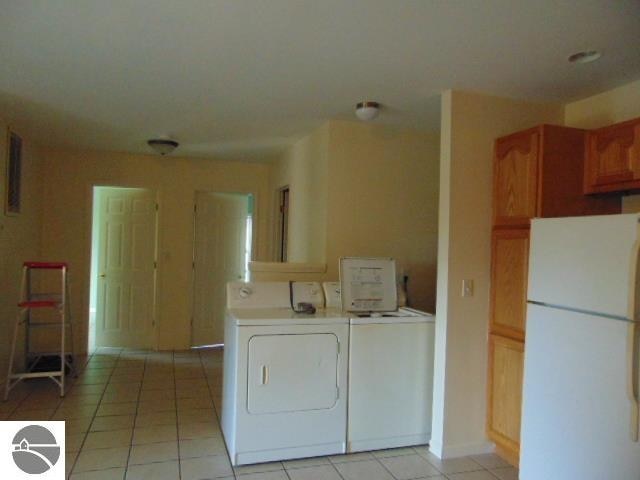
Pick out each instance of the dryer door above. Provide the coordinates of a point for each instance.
(289, 373)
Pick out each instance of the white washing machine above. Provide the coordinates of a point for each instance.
(285, 374)
(391, 355)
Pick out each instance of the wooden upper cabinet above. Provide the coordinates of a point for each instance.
(613, 158)
(539, 172)
(516, 178)
(509, 272)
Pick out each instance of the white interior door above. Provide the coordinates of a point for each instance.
(219, 257)
(126, 268)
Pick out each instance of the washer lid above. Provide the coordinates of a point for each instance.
(283, 316)
(403, 315)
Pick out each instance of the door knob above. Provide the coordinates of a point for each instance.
(102, 275)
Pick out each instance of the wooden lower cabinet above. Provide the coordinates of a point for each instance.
(509, 272)
(506, 363)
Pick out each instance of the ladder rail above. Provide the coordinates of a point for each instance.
(24, 296)
(63, 311)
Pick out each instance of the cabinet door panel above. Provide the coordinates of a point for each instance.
(613, 157)
(509, 270)
(515, 199)
(506, 362)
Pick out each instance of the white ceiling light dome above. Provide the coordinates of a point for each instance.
(367, 111)
(163, 146)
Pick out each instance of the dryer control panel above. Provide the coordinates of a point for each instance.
(258, 295)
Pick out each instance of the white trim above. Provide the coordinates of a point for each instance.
(461, 450)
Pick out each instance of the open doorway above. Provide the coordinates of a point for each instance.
(223, 236)
(123, 268)
(282, 224)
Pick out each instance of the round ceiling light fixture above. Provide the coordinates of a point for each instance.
(367, 111)
(587, 56)
(163, 146)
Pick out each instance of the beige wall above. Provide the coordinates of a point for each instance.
(609, 107)
(470, 123)
(19, 236)
(67, 221)
(303, 167)
(612, 106)
(383, 201)
(364, 189)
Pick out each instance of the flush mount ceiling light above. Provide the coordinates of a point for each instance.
(367, 111)
(163, 146)
(587, 56)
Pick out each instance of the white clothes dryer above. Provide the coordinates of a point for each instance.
(285, 374)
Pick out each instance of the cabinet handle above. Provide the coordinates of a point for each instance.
(265, 375)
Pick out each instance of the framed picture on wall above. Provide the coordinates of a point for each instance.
(14, 170)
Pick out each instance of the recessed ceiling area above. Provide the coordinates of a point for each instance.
(243, 79)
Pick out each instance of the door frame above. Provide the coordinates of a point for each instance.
(281, 224)
(254, 237)
(90, 188)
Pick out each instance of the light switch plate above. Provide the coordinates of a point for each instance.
(467, 288)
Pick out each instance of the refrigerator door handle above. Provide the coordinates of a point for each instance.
(634, 360)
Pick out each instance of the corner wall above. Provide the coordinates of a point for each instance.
(303, 167)
(20, 236)
(612, 106)
(67, 222)
(382, 201)
(364, 189)
(470, 124)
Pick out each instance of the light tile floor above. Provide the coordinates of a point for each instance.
(135, 415)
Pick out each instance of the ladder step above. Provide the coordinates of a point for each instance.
(53, 373)
(39, 304)
(45, 296)
(45, 265)
(47, 324)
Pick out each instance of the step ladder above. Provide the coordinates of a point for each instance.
(30, 301)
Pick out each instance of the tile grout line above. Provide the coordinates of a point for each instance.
(135, 415)
(389, 471)
(336, 469)
(446, 475)
(175, 398)
(215, 410)
(72, 386)
(86, 434)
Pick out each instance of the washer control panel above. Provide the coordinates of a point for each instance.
(332, 294)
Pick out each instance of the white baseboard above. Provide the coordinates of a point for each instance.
(461, 450)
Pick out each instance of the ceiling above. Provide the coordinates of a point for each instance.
(244, 78)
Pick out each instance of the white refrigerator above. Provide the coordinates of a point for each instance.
(580, 399)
